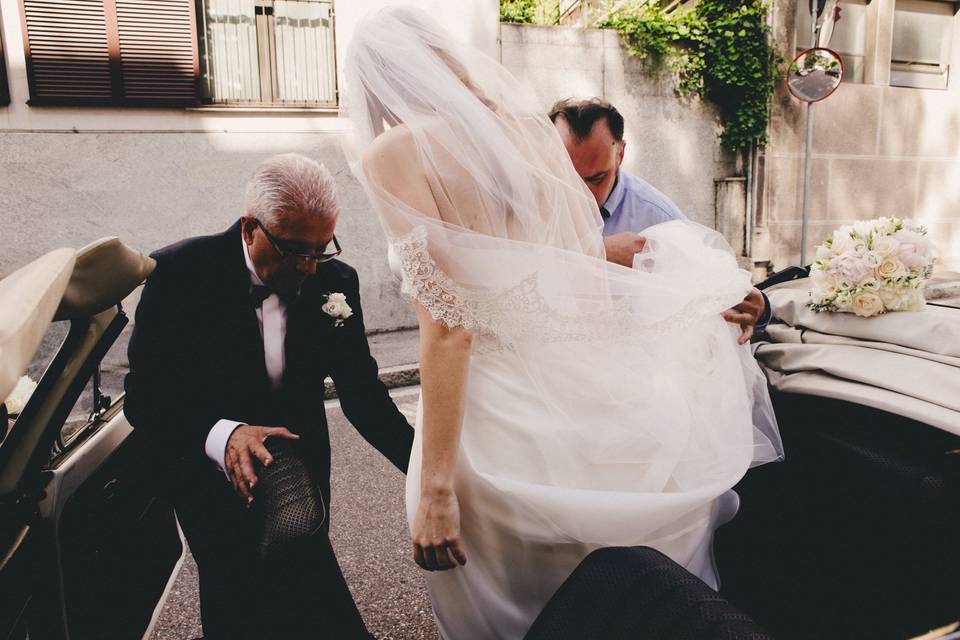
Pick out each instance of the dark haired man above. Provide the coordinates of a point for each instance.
(592, 132)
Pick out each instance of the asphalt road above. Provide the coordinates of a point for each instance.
(369, 533)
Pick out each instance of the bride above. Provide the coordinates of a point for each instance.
(567, 403)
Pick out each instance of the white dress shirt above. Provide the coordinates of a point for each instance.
(272, 320)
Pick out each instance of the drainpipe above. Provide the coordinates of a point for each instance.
(748, 218)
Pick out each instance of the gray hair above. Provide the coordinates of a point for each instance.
(289, 183)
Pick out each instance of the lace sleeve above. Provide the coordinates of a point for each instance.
(521, 312)
(426, 283)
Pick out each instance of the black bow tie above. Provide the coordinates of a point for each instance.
(259, 293)
(604, 213)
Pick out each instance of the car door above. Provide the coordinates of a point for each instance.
(89, 547)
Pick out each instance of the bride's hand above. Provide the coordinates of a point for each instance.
(436, 531)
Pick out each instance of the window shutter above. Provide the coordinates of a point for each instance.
(4, 88)
(158, 51)
(68, 58)
(111, 52)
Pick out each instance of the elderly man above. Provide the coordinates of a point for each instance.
(234, 336)
(592, 131)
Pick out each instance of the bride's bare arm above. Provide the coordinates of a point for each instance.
(444, 360)
(392, 167)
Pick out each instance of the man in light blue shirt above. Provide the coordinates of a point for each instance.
(592, 132)
(634, 204)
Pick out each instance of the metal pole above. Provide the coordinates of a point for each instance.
(748, 221)
(807, 161)
(807, 148)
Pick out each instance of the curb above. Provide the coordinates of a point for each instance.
(402, 375)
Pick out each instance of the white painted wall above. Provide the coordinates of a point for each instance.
(69, 176)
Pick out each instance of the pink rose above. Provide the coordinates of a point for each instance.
(915, 250)
(852, 267)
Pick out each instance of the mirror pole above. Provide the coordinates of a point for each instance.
(807, 162)
(808, 149)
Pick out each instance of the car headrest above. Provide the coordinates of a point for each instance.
(28, 299)
(105, 273)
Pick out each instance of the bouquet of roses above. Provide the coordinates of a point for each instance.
(871, 267)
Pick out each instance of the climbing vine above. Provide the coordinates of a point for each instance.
(530, 11)
(720, 50)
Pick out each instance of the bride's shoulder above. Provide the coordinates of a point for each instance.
(391, 158)
(392, 145)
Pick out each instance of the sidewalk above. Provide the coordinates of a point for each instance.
(397, 354)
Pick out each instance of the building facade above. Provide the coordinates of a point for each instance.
(887, 142)
(144, 119)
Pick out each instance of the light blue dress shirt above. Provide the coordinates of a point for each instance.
(635, 205)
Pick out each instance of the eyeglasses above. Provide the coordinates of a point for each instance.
(288, 249)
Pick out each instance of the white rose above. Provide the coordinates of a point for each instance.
(336, 306)
(916, 301)
(885, 246)
(890, 267)
(887, 226)
(872, 259)
(332, 308)
(866, 304)
(823, 281)
(842, 242)
(20, 395)
(870, 284)
(864, 228)
(895, 298)
(824, 252)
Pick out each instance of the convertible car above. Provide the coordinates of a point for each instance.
(87, 549)
(853, 536)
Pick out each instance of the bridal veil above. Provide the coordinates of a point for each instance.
(606, 405)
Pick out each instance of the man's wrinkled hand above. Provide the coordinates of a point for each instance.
(243, 447)
(621, 247)
(746, 314)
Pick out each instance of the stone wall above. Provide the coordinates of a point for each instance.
(672, 142)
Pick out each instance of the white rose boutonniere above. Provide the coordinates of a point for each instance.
(337, 308)
(20, 395)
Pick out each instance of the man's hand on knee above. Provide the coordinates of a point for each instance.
(621, 247)
(243, 447)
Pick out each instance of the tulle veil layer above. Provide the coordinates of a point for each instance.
(638, 407)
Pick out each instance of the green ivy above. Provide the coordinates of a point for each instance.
(530, 11)
(720, 50)
(519, 11)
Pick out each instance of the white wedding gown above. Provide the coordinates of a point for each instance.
(541, 485)
(604, 406)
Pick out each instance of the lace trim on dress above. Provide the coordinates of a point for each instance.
(520, 312)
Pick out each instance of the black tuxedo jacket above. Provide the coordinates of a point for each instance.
(196, 356)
